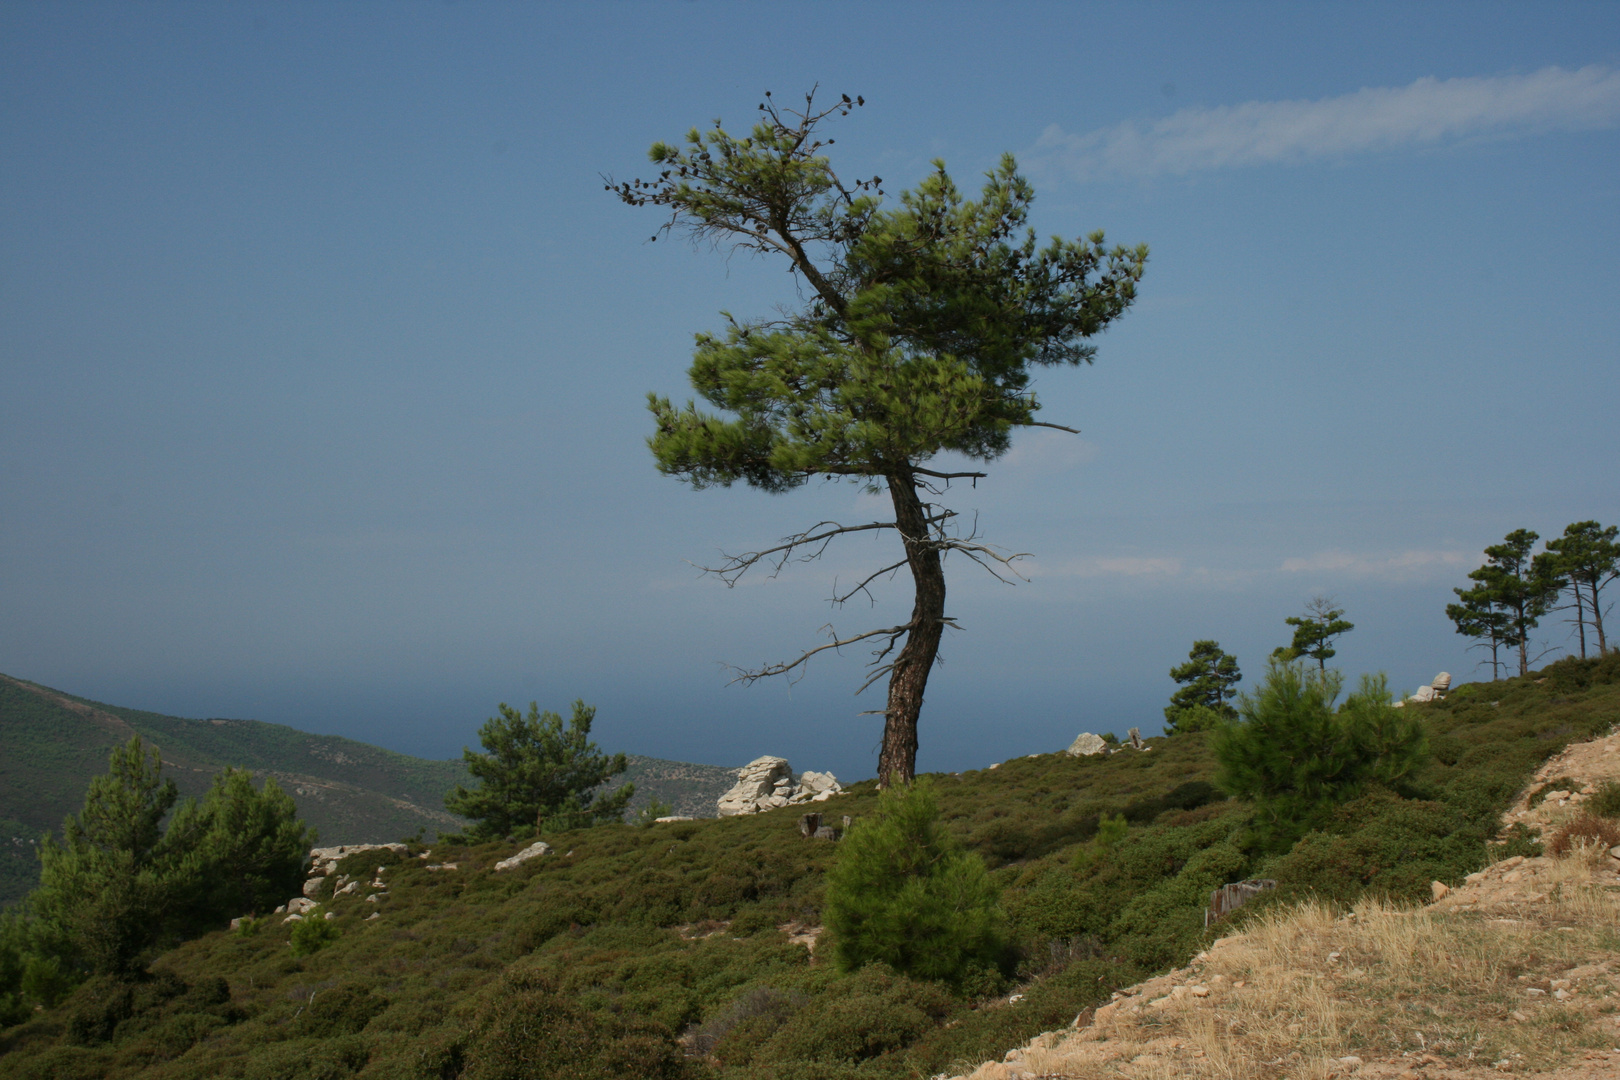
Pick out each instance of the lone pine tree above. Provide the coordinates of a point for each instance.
(539, 774)
(1208, 682)
(922, 322)
(1314, 632)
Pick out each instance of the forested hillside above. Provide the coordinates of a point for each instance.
(52, 743)
(697, 949)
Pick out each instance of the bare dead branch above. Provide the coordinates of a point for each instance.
(893, 632)
(879, 671)
(816, 538)
(862, 587)
(1043, 423)
(735, 566)
(980, 552)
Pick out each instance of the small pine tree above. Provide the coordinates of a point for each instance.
(539, 775)
(243, 849)
(905, 893)
(1208, 678)
(118, 883)
(105, 887)
(1297, 756)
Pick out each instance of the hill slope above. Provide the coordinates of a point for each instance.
(693, 951)
(1516, 969)
(52, 743)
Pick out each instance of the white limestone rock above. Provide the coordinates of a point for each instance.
(817, 782)
(324, 859)
(767, 783)
(539, 847)
(1086, 745)
(1442, 682)
(1423, 693)
(300, 904)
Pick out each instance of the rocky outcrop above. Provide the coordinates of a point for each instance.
(323, 860)
(1434, 691)
(767, 783)
(539, 847)
(1086, 745)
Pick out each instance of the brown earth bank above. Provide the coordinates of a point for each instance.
(1516, 970)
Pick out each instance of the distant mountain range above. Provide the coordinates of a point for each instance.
(52, 743)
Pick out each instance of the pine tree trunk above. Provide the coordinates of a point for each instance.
(1580, 613)
(897, 760)
(1597, 617)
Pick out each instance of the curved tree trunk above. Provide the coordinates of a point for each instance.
(897, 760)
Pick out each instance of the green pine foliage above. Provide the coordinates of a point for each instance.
(1513, 591)
(539, 775)
(1209, 680)
(106, 886)
(1314, 633)
(242, 849)
(923, 323)
(311, 934)
(905, 893)
(119, 883)
(1587, 558)
(1297, 756)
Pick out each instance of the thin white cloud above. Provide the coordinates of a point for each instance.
(1042, 450)
(1118, 566)
(1406, 565)
(1426, 112)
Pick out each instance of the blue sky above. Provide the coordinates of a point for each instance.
(324, 354)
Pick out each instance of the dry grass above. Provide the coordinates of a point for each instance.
(1305, 987)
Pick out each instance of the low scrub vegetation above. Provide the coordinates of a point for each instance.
(677, 950)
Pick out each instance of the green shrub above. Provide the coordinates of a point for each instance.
(1297, 757)
(308, 1059)
(29, 975)
(1110, 831)
(1605, 802)
(751, 1019)
(312, 934)
(529, 1029)
(903, 892)
(875, 1013)
(338, 1010)
(1193, 718)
